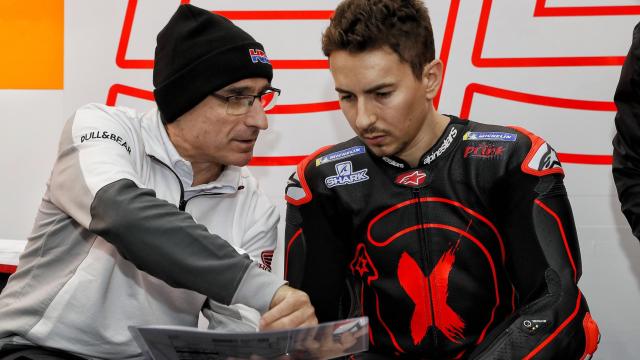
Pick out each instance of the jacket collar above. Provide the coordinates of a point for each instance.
(157, 144)
(444, 145)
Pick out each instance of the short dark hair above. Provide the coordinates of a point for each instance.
(402, 25)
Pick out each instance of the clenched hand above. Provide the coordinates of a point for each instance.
(290, 308)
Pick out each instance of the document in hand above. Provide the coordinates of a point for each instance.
(324, 341)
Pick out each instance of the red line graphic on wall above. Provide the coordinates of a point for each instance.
(541, 10)
(605, 10)
(124, 62)
(516, 96)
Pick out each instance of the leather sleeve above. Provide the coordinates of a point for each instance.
(315, 257)
(552, 319)
(626, 143)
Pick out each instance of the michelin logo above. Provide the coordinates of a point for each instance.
(345, 175)
(490, 136)
(339, 155)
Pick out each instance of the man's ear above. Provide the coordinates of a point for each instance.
(432, 78)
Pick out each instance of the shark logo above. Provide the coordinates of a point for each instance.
(345, 175)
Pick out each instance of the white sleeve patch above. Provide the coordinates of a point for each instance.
(294, 190)
(545, 158)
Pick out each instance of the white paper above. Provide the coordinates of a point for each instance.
(325, 341)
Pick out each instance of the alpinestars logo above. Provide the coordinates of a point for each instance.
(545, 158)
(445, 145)
(414, 179)
(345, 175)
(549, 159)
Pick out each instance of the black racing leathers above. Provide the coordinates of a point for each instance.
(472, 254)
(626, 143)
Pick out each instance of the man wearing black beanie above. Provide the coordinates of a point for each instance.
(151, 218)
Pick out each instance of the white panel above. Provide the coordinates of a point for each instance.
(565, 129)
(514, 32)
(29, 131)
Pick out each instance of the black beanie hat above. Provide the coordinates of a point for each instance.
(199, 52)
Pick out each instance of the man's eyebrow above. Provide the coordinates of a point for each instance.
(377, 87)
(369, 90)
(236, 90)
(243, 90)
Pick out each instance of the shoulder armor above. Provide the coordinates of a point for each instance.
(297, 191)
(541, 159)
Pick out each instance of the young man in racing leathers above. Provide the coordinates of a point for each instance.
(455, 238)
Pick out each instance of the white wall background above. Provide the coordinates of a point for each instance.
(32, 120)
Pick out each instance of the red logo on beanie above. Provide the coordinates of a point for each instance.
(258, 55)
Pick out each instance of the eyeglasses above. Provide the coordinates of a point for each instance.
(240, 104)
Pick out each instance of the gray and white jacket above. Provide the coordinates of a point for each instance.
(117, 243)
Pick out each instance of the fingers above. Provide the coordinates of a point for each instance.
(328, 345)
(290, 308)
(349, 339)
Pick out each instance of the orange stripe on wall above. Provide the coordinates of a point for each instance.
(31, 44)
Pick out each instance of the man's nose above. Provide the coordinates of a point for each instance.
(365, 116)
(256, 116)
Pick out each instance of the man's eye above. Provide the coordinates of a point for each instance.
(383, 94)
(239, 98)
(345, 97)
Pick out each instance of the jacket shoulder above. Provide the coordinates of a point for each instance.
(541, 159)
(316, 166)
(527, 151)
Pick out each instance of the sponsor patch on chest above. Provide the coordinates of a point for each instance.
(484, 151)
(345, 175)
(393, 162)
(414, 179)
(428, 159)
(339, 155)
(489, 136)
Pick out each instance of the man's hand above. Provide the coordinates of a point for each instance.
(290, 308)
(326, 344)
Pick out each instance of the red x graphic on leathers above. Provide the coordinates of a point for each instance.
(414, 282)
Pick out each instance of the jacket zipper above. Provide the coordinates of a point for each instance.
(210, 194)
(425, 261)
(182, 204)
